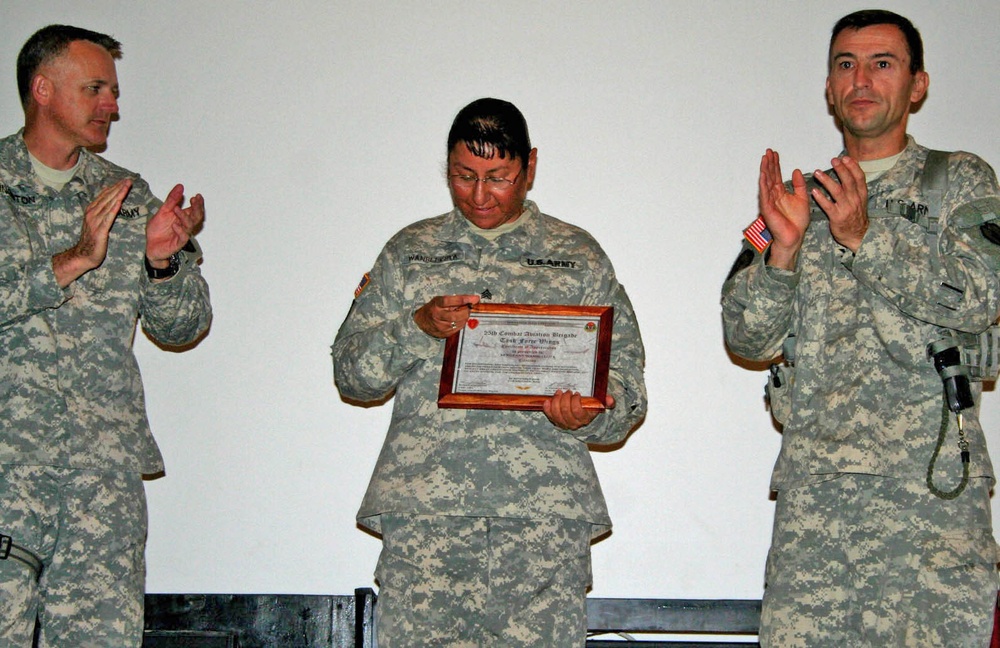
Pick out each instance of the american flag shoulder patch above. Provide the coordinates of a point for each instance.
(757, 235)
(365, 280)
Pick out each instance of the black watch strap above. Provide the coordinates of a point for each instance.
(163, 273)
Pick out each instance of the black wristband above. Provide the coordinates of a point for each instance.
(164, 273)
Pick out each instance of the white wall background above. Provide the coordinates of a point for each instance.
(317, 129)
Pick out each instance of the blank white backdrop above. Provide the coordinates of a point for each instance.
(316, 130)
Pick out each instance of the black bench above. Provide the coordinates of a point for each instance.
(320, 621)
(627, 617)
(260, 620)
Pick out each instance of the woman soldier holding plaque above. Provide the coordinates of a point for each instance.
(486, 515)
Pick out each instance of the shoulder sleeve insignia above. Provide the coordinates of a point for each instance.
(365, 280)
(991, 231)
(757, 235)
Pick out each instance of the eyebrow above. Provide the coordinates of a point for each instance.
(877, 55)
(498, 169)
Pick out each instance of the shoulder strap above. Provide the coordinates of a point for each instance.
(936, 171)
(933, 185)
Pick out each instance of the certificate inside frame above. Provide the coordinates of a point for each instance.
(500, 323)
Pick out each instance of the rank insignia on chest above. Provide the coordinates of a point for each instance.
(365, 280)
(757, 235)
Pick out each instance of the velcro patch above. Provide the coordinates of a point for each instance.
(365, 280)
(757, 235)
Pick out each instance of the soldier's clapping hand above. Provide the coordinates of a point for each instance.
(171, 227)
(92, 247)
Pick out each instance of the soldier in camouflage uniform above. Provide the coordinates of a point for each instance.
(85, 250)
(871, 547)
(486, 516)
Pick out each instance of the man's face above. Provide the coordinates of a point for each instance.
(870, 87)
(79, 95)
(484, 203)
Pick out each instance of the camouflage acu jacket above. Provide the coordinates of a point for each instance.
(70, 390)
(866, 398)
(482, 462)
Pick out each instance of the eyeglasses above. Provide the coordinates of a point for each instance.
(493, 183)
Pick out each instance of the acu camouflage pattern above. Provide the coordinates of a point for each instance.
(70, 390)
(468, 582)
(862, 561)
(857, 559)
(482, 462)
(865, 398)
(89, 530)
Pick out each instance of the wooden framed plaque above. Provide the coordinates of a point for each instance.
(514, 356)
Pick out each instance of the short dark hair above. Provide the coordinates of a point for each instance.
(49, 42)
(870, 17)
(491, 126)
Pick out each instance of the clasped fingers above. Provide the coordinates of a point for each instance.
(444, 315)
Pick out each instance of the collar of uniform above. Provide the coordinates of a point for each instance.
(22, 174)
(902, 173)
(456, 228)
(16, 170)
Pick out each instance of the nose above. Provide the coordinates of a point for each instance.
(109, 102)
(479, 193)
(861, 77)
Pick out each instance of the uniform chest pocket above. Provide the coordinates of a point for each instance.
(28, 234)
(429, 273)
(122, 266)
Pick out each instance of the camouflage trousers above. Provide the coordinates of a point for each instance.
(466, 582)
(866, 561)
(89, 530)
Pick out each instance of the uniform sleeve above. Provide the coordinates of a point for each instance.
(957, 285)
(27, 281)
(626, 382)
(176, 311)
(757, 306)
(379, 342)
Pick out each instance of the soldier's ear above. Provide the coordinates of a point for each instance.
(921, 81)
(41, 89)
(532, 163)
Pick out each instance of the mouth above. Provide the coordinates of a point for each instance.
(482, 217)
(861, 102)
(481, 211)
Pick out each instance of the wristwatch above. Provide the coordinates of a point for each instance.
(164, 273)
